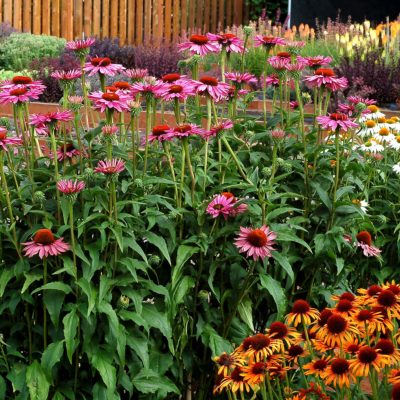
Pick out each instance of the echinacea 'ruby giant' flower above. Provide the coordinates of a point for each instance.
(325, 77)
(7, 140)
(110, 101)
(102, 65)
(335, 121)
(364, 241)
(19, 95)
(228, 41)
(220, 206)
(110, 167)
(69, 186)
(207, 85)
(44, 244)
(256, 243)
(199, 44)
(268, 41)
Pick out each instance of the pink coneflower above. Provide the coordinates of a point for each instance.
(102, 65)
(326, 77)
(272, 80)
(257, 243)
(109, 130)
(19, 95)
(40, 121)
(20, 81)
(160, 133)
(216, 129)
(220, 206)
(268, 41)
(238, 208)
(185, 130)
(44, 244)
(199, 44)
(150, 87)
(364, 241)
(80, 45)
(70, 187)
(294, 105)
(110, 167)
(294, 46)
(178, 90)
(171, 77)
(350, 109)
(358, 99)
(230, 42)
(66, 76)
(279, 63)
(316, 62)
(75, 99)
(278, 134)
(235, 92)
(210, 86)
(8, 141)
(240, 78)
(109, 101)
(335, 121)
(136, 74)
(67, 152)
(122, 87)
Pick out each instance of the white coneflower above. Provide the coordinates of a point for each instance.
(374, 114)
(396, 168)
(362, 204)
(369, 128)
(372, 146)
(384, 135)
(395, 143)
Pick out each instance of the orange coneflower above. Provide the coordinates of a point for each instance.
(255, 373)
(367, 358)
(344, 296)
(322, 320)
(302, 312)
(338, 373)
(316, 367)
(234, 382)
(278, 371)
(386, 348)
(227, 362)
(283, 334)
(352, 347)
(393, 286)
(396, 392)
(389, 301)
(322, 347)
(345, 307)
(337, 330)
(394, 376)
(258, 346)
(295, 352)
(368, 319)
(368, 296)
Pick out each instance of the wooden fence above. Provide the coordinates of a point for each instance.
(132, 21)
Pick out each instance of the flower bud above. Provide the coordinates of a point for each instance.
(154, 260)
(123, 302)
(138, 183)
(266, 171)
(39, 197)
(248, 30)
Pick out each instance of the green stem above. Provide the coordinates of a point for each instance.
(44, 305)
(55, 162)
(148, 129)
(171, 167)
(71, 226)
(185, 143)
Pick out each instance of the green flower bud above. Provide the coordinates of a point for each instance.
(266, 171)
(280, 162)
(39, 197)
(154, 260)
(88, 174)
(248, 30)
(123, 302)
(287, 167)
(360, 107)
(5, 122)
(138, 183)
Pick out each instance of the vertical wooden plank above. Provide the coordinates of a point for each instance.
(17, 15)
(1, 11)
(221, 14)
(36, 29)
(131, 21)
(199, 15)
(114, 19)
(154, 22)
(139, 22)
(87, 17)
(27, 15)
(167, 24)
(192, 15)
(238, 12)
(207, 16)
(176, 20)
(7, 11)
(55, 18)
(214, 10)
(122, 21)
(105, 18)
(67, 17)
(78, 19)
(184, 16)
(229, 12)
(46, 17)
(147, 20)
(96, 20)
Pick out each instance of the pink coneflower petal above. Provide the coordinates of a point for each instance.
(6, 141)
(67, 152)
(216, 129)
(220, 206)
(160, 133)
(184, 130)
(268, 41)
(110, 167)
(79, 45)
(67, 75)
(336, 120)
(208, 85)
(326, 77)
(44, 244)
(21, 94)
(238, 77)
(199, 44)
(102, 65)
(256, 243)
(110, 101)
(69, 186)
(230, 42)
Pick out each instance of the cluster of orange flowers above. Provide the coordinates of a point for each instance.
(338, 353)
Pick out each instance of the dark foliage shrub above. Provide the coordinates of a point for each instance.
(111, 48)
(45, 66)
(370, 75)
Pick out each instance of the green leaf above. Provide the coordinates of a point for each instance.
(339, 265)
(287, 236)
(70, 322)
(29, 279)
(147, 381)
(91, 294)
(54, 286)
(245, 312)
(279, 211)
(323, 195)
(3, 388)
(54, 300)
(160, 243)
(5, 277)
(276, 291)
(215, 342)
(184, 253)
(37, 382)
(101, 361)
(51, 356)
(284, 263)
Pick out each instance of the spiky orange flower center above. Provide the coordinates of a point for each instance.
(260, 341)
(340, 366)
(384, 131)
(209, 80)
(236, 375)
(352, 348)
(3, 135)
(227, 36)
(21, 80)
(199, 39)
(18, 91)
(324, 316)
(320, 365)
(339, 117)
(183, 128)
(336, 324)
(385, 346)
(170, 77)
(122, 85)
(257, 238)
(300, 307)
(364, 237)
(295, 351)
(283, 54)
(387, 298)
(110, 96)
(175, 89)
(373, 290)
(373, 108)
(278, 330)
(347, 296)
(370, 124)
(103, 61)
(44, 236)
(325, 72)
(160, 130)
(226, 360)
(344, 305)
(367, 355)
(364, 315)
(395, 289)
(398, 139)
(259, 368)
(228, 195)
(111, 89)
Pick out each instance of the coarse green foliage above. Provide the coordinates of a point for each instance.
(19, 49)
